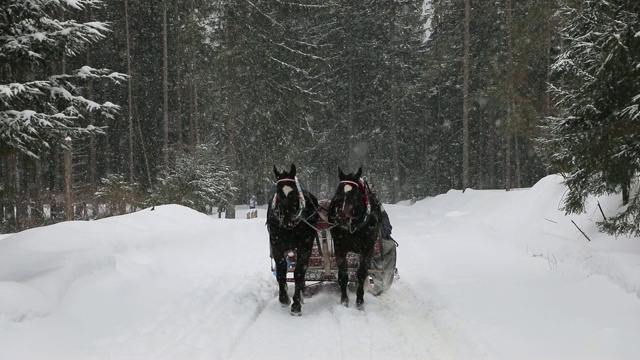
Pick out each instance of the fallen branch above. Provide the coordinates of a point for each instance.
(576, 225)
(601, 212)
(555, 222)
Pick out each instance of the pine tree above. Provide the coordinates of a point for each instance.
(444, 81)
(198, 179)
(38, 108)
(506, 69)
(595, 140)
(268, 73)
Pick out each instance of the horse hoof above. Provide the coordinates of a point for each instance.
(344, 302)
(296, 309)
(360, 306)
(285, 300)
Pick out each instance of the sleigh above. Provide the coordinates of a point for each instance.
(323, 265)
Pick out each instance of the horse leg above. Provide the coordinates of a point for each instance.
(362, 275)
(343, 276)
(302, 263)
(281, 277)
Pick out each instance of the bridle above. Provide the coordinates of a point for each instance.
(362, 186)
(301, 201)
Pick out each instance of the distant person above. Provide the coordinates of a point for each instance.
(253, 201)
(221, 209)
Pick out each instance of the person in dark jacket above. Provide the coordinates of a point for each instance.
(385, 224)
(385, 229)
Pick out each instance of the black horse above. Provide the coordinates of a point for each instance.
(356, 217)
(291, 212)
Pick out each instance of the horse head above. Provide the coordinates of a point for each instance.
(288, 201)
(350, 205)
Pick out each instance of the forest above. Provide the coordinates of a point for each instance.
(108, 106)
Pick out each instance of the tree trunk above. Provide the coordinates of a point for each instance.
(509, 88)
(351, 114)
(68, 181)
(516, 155)
(144, 153)
(129, 92)
(393, 123)
(547, 94)
(196, 132)
(15, 208)
(231, 114)
(192, 129)
(507, 156)
(93, 162)
(165, 85)
(465, 97)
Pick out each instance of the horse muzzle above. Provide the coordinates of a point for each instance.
(346, 213)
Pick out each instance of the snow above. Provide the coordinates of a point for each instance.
(484, 275)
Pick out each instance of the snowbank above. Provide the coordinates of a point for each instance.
(532, 219)
(37, 266)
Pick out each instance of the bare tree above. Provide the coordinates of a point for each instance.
(129, 90)
(165, 85)
(510, 105)
(232, 88)
(394, 111)
(465, 97)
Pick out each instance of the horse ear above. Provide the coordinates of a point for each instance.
(275, 171)
(292, 172)
(359, 173)
(340, 173)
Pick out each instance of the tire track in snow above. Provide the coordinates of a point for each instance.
(450, 334)
(388, 328)
(410, 322)
(355, 332)
(204, 322)
(277, 334)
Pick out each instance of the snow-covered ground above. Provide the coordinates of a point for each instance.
(484, 275)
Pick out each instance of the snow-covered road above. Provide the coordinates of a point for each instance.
(484, 275)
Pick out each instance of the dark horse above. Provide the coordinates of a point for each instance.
(356, 217)
(291, 212)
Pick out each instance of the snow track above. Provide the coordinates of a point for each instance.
(205, 322)
(392, 326)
